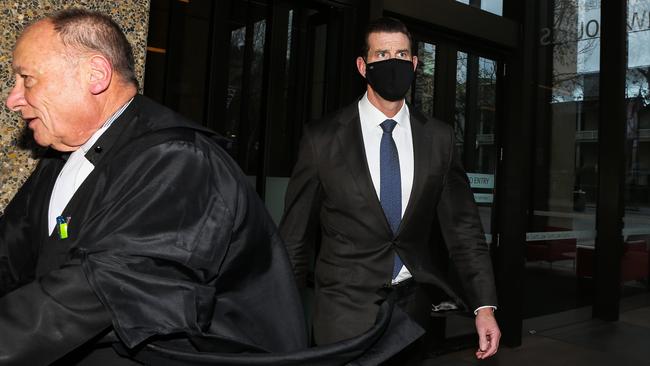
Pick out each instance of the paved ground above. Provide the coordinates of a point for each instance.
(573, 339)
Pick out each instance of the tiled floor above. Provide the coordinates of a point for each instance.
(573, 339)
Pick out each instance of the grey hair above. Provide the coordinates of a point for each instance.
(94, 31)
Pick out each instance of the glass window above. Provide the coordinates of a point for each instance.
(484, 143)
(424, 78)
(319, 80)
(560, 241)
(636, 231)
(491, 6)
(180, 69)
(179, 36)
(243, 107)
(281, 132)
(461, 101)
(475, 125)
(233, 96)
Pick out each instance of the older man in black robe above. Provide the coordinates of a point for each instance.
(135, 228)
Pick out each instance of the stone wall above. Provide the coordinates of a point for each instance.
(17, 152)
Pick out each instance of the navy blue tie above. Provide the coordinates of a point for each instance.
(390, 186)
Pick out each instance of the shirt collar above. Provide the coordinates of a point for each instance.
(373, 117)
(91, 141)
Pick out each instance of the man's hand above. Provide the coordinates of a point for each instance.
(488, 333)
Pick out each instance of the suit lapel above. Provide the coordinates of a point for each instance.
(354, 156)
(422, 141)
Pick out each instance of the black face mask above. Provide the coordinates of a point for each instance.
(391, 78)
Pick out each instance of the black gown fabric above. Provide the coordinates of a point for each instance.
(167, 242)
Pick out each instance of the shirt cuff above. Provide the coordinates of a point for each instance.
(482, 307)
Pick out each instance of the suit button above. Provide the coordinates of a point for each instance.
(98, 149)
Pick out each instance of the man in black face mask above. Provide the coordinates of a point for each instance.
(382, 186)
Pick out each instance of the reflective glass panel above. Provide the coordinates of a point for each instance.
(475, 128)
(636, 231)
(560, 240)
(424, 79)
(491, 6)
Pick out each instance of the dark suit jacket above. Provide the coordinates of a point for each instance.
(331, 194)
(167, 243)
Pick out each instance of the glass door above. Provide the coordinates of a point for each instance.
(461, 87)
(560, 238)
(475, 127)
(472, 109)
(308, 66)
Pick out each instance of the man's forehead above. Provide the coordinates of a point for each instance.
(36, 41)
(386, 40)
(41, 33)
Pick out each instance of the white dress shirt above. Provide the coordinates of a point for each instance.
(74, 172)
(371, 118)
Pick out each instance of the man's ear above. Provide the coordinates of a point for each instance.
(415, 62)
(361, 66)
(101, 73)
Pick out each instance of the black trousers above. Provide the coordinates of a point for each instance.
(416, 301)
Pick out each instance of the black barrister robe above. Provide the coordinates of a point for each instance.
(166, 240)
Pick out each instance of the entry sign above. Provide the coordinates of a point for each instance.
(477, 180)
(481, 181)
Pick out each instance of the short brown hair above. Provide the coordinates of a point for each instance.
(91, 30)
(384, 25)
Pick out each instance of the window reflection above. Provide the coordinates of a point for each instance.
(574, 38)
(491, 6)
(486, 160)
(560, 241)
(233, 96)
(280, 138)
(253, 112)
(461, 102)
(424, 80)
(244, 92)
(636, 231)
(474, 127)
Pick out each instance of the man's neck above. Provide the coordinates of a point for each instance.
(105, 106)
(388, 108)
(115, 101)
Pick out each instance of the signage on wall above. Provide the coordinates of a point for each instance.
(482, 182)
(578, 23)
(478, 180)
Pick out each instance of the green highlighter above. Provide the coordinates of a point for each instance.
(63, 227)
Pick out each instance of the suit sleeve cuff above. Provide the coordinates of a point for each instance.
(482, 307)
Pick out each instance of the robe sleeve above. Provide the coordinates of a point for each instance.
(18, 253)
(47, 318)
(182, 244)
